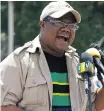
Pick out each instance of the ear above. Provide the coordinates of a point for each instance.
(41, 24)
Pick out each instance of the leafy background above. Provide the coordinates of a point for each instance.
(26, 23)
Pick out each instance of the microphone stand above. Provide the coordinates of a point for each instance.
(88, 92)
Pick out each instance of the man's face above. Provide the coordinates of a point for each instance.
(58, 34)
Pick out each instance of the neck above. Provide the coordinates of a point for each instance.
(51, 52)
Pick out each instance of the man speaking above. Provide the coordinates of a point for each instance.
(42, 75)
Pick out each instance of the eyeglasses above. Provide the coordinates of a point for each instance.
(58, 23)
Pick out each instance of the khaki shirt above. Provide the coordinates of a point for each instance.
(27, 83)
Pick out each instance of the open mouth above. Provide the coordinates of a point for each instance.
(64, 38)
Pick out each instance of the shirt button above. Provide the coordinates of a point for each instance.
(34, 82)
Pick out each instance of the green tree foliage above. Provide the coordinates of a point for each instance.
(92, 24)
(27, 14)
(27, 23)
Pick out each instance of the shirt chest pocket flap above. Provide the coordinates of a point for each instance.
(36, 91)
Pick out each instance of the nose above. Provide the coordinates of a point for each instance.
(65, 29)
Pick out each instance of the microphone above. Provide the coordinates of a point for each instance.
(96, 57)
(86, 68)
(97, 46)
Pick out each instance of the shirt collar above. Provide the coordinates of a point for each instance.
(35, 44)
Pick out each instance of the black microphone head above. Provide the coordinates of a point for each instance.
(86, 57)
(86, 65)
(95, 45)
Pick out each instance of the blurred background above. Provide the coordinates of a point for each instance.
(20, 23)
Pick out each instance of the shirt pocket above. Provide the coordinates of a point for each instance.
(36, 91)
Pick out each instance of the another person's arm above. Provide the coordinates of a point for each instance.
(99, 101)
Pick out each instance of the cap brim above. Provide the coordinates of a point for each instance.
(61, 13)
